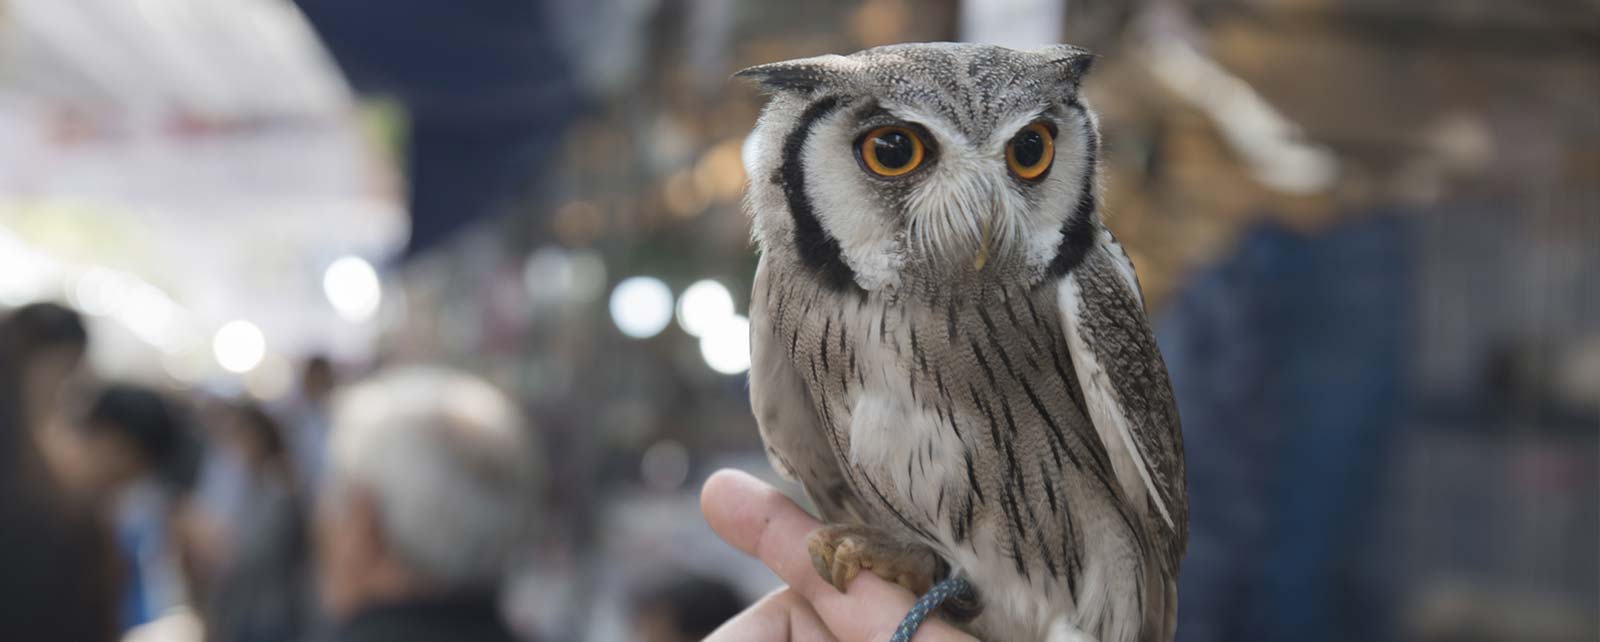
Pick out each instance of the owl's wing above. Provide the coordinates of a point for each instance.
(795, 439)
(1125, 386)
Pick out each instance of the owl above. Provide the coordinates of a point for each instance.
(949, 350)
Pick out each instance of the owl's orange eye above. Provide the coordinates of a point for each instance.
(891, 151)
(1031, 152)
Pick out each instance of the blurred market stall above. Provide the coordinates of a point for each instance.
(199, 178)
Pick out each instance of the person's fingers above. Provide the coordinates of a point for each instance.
(782, 616)
(757, 519)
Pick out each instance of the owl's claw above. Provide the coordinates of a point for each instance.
(841, 552)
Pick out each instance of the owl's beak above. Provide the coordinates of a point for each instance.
(982, 258)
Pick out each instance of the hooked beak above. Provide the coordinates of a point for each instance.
(982, 257)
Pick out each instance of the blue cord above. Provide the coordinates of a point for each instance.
(925, 605)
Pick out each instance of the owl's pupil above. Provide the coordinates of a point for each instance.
(1028, 148)
(894, 150)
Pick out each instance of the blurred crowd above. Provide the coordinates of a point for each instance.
(165, 514)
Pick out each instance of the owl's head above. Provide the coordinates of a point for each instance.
(924, 164)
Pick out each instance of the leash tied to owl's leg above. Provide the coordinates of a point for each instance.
(935, 597)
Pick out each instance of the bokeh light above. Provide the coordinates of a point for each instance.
(239, 346)
(351, 285)
(553, 275)
(702, 306)
(588, 275)
(641, 306)
(547, 274)
(92, 290)
(665, 465)
(726, 346)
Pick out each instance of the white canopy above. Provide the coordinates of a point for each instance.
(204, 153)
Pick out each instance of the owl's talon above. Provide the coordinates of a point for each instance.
(839, 553)
(847, 563)
(821, 556)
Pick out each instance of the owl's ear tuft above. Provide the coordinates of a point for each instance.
(1066, 65)
(802, 75)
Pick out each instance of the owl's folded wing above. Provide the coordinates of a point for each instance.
(1125, 386)
(796, 441)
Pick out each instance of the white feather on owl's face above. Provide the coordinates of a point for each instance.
(949, 205)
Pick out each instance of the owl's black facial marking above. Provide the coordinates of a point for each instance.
(818, 250)
(1077, 234)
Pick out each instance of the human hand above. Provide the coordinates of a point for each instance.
(759, 520)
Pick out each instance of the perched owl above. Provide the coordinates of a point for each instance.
(950, 351)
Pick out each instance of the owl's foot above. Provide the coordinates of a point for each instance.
(840, 552)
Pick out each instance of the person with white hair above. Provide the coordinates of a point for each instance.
(430, 485)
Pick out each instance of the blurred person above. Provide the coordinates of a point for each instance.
(221, 500)
(305, 419)
(685, 609)
(138, 451)
(430, 483)
(1291, 358)
(44, 345)
(263, 589)
(60, 574)
(760, 521)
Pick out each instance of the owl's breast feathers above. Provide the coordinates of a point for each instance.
(961, 420)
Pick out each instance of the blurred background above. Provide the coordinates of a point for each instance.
(1368, 233)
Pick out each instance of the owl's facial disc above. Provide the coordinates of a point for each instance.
(926, 162)
(980, 204)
